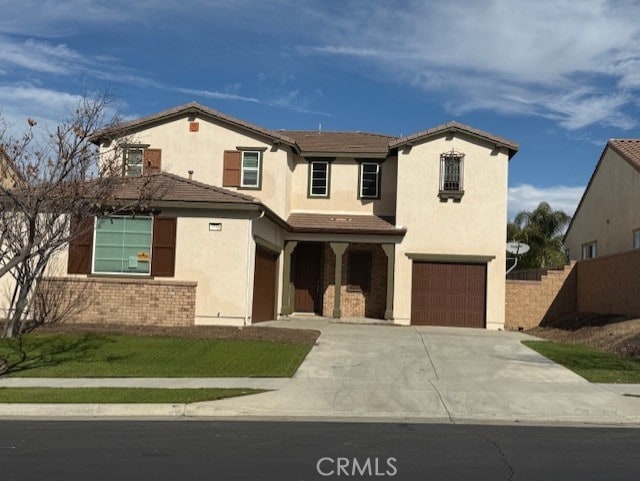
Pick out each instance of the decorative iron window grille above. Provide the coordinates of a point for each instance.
(451, 171)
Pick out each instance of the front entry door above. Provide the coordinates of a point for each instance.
(308, 278)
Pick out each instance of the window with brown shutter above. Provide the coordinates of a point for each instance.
(359, 271)
(231, 173)
(152, 161)
(80, 247)
(163, 255)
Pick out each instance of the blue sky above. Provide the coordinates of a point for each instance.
(559, 77)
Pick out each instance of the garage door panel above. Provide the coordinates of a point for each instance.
(448, 294)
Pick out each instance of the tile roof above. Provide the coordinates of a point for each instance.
(342, 223)
(340, 142)
(628, 149)
(307, 141)
(172, 188)
(457, 127)
(190, 108)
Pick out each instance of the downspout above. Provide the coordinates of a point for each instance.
(248, 288)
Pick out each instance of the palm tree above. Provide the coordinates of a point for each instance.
(542, 230)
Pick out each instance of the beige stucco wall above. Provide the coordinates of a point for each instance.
(203, 152)
(343, 189)
(217, 261)
(609, 212)
(476, 226)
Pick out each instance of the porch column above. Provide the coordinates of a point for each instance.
(287, 286)
(338, 249)
(390, 251)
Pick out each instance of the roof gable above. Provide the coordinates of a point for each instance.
(453, 127)
(628, 150)
(192, 108)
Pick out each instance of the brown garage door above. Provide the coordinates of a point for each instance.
(264, 286)
(448, 294)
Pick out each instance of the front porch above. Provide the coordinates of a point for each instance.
(338, 279)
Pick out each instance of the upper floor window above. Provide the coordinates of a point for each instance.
(250, 169)
(636, 239)
(140, 160)
(369, 186)
(589, 250)
(242, 168)
(451, 172)
(133, 158)
(319, 179)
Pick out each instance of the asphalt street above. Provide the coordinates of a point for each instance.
(207, 450)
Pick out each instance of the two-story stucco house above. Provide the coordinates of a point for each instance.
(256, 224)
(607, 220)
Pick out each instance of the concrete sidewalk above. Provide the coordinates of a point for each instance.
(403, 373)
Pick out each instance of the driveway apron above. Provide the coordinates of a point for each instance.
(378, 372)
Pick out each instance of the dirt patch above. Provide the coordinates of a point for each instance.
(253, 333)
(613, 334)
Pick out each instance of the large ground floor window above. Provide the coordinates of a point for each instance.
(123, 245)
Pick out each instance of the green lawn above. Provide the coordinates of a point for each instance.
(113, 355)
(116, 395)
(591, 364)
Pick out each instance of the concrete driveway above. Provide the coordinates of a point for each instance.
(378, 372)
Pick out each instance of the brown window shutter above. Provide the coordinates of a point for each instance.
(80, 247)
(152, 161)
(163, 254)
(231, 174)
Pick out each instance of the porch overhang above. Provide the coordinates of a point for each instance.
(343, 225)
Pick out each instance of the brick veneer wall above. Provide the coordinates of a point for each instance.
(529, 303)
(356, 304)
(610, 284)
(124, 301)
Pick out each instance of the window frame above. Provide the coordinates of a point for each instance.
(636, 238)
(126, 165)
(95, 237)
(361, 174)
(257, 169)
(352, 286)
(445, 159)
(589, 250)
(327, 185)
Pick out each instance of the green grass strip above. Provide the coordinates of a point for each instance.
(591, 364)
(113, 355)
(116, 395)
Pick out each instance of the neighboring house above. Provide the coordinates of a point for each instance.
(607, 220)
(254, 224)
(8, 174)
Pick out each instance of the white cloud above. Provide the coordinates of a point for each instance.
(574, 62)
(37, 56)
(294, 101)
(212, 94)
(46, 106)
(559, 197)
